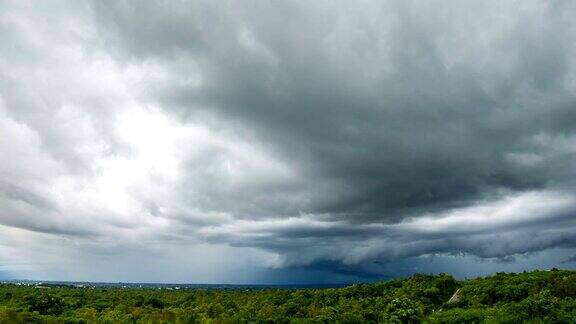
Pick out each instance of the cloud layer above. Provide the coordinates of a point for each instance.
(338, 137)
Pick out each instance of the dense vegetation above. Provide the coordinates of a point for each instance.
(540, 296)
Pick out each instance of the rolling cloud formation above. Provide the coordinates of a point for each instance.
(335, 136)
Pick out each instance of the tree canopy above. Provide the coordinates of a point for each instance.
(539, 296)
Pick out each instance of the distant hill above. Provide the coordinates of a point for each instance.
(538, 297)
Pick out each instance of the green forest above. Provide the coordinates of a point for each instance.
(533, 297)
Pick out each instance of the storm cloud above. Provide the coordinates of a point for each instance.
(347, 138)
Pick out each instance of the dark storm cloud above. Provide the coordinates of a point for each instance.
(570, 260)
(330, 135)
(399, 110)
(388, 110)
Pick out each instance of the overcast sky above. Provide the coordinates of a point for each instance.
(285, 141)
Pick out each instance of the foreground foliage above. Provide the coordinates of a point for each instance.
(537, 297)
